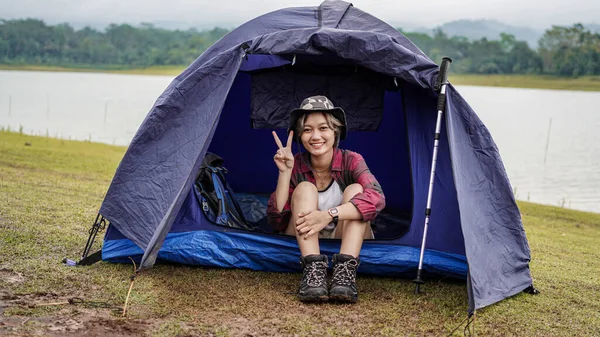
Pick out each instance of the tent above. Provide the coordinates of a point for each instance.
(230, 99)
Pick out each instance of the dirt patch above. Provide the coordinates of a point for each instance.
(9, 276)
(8, 299)
(68, 317)
(50, 314)
(88, 325)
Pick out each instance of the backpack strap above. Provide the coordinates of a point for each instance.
(230, 195)
(220, 192)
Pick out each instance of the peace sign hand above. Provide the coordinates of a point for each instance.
(284, 159)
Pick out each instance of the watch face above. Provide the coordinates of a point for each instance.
(333, 211)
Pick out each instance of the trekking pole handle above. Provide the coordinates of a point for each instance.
(442, 82)
(443, 74)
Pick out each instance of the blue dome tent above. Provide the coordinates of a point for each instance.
(230, 99)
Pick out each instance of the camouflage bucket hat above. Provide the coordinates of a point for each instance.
(318, 104)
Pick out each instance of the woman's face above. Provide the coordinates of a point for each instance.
(317, 137)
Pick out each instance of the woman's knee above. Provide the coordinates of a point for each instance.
(303, 191)
(352, 190)
(305, 187)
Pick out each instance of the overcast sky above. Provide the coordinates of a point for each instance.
(538, 14)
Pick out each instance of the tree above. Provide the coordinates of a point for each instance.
(520, 59)
(570, 51)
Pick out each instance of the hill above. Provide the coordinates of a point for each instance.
(490, 29)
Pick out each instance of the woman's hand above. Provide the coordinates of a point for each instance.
(284, 159)
(310, 223)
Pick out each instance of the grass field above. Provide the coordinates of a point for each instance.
(50, 192)
(117, 69)
(585, 83)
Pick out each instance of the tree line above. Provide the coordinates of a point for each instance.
(31, 41)
(563, 51)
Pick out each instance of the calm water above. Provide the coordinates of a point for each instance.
(109, 108)
(524, 121)
(105, 108)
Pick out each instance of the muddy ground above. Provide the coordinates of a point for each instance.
(76, 319)
(56, 314)
(66, 315)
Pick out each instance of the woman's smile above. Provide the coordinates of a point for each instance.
(317, 137)
(317, 145)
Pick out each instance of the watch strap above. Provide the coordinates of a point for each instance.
(334, 214)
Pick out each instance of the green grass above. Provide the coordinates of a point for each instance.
(50, 192)
(112, 69)
(584, 83)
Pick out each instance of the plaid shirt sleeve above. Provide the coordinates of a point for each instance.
(371, 201)
(279, 220)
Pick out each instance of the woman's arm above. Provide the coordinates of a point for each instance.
(348, 211)
(282, 192)
(372, 200)
(278, 210)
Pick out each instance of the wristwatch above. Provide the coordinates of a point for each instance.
(334, 214)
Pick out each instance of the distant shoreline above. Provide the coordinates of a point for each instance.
(584, 83)
(154, 71)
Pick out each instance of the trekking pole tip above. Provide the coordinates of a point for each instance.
(418, 281)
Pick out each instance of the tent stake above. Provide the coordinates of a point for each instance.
(132, 278)
(441, 83)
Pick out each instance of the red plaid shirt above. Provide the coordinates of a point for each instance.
(347, 168)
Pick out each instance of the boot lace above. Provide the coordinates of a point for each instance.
(315, 273)
(345, 273)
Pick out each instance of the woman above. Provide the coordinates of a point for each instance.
(324, 192)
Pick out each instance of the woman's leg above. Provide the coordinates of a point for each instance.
(313, 286)
(304, 199)
(352, 232)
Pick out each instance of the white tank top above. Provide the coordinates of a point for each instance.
(332, 196)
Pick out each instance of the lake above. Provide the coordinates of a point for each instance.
(548, 139)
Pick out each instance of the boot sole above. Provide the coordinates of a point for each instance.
(342, 298)
(313, 299)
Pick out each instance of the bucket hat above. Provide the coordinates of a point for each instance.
(318, 104)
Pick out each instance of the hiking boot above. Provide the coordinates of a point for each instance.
(343, 284)
(313, 287)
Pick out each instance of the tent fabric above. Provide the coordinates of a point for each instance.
(271, 105)
(195, 240)
(276, 254)
(209, 106)
(473, 145)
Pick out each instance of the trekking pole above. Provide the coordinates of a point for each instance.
(441, 84)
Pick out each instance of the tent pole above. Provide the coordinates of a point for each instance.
(98, 226)
(441, 84)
